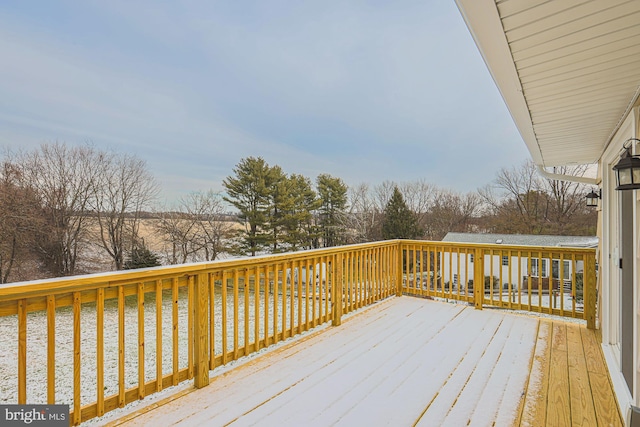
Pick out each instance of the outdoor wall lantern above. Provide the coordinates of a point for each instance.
(628, 169)
(592, 198)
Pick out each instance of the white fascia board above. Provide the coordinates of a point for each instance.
(485, 26)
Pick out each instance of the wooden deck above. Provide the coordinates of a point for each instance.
(409, 361)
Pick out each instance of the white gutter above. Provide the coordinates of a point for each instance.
(562, 177)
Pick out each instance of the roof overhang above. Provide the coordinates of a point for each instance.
(569, 71)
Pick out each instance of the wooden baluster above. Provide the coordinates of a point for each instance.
(190, 309)
(174, 309)
(267, 292)
(256, 309)
(236, 297)
(51, 350)
(22, 351)
(158, 335)
(224, 317)
(77, 404)
(247, 290)
(141, 379)
(121, 335)
(212, 320)
(100, 351)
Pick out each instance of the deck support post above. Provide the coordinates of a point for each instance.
(336, 291)
(399, 269)
(589, 290)
(478, 278)
(201, 331)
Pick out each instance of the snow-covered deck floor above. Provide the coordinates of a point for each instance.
(405, 361)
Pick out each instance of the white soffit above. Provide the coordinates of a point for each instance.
(568, 70)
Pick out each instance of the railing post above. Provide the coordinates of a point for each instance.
(399, 261)
(201, 331)
(336, 292)
(589, 290)
(478, 278)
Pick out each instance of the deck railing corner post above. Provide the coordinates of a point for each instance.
(589, 290)
(399, 269)
(336, 291)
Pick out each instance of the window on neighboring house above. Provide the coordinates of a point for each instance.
(455, 279)
(505, 260)
(535, 270)
(470, 257)
(566, 270)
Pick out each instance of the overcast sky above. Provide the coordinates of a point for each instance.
(366, 91)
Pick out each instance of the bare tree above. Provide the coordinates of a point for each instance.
(520, 201)
(419, 197)
(179, 231)
(568, 213)
(383, 193)
(215, 229)
(123, 190)
(364, 219)
(450, 211)
(62, 177)
(20, 217)
(197, 229)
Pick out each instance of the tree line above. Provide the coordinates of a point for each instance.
(58, 204)
(64, 210)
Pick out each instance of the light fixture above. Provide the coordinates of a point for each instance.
(628, 169)
(592, 198)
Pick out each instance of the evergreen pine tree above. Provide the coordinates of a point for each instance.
(299, 230)
(333, 197)
(281, 201)
(250, 192)
(141, 257)
(399, 222)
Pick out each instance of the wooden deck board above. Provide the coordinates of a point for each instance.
(558, 398)
(410, 361)
(534, 409)
(593, 352)
(582, 410)
(571, 385)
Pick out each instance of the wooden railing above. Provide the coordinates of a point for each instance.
(99, 342)
(552, 280)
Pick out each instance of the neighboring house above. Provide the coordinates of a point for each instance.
(506, 270)
(569, 75)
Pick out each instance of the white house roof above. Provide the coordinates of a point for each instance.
(524, 239)
(569, 70)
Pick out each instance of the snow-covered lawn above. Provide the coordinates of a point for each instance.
(556, 300)
(37, 343)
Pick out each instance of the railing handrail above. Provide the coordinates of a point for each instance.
(524, 248)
